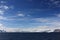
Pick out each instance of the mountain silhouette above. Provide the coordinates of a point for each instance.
(2, 31)
(57, 30)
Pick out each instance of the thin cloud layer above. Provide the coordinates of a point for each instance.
(36, 29)
(30, 29)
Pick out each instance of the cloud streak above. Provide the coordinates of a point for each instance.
(50, 26)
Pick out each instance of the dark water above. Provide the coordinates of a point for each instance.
(29, 36)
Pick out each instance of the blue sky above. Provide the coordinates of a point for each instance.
(30, 13)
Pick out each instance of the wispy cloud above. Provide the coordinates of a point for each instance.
(6, 7)
(35, 29)
(2, 26)
(1, 12)
(58, 15)
(40, 19)
(48, 21)
(56, 3)
(2, 18)
(2, 2)
(21, 15)
(51, 25)
(53, 4)
(3, 9)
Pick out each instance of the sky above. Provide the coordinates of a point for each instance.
(29, 15)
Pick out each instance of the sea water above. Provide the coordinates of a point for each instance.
(29, 36)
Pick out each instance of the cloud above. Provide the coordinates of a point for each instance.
(42, 29)
(58, 15)
(22, 15)
(53, 4)
(11, 18)
(40, 19)
(8, 18)
(35, 29)
(9, 29)
(53, 22)
(4, 7)
(1, 12)
(32, 29)
(3, 18)
(2, 2)
(49, 25)
(12, 29)
(56, 3)
(2, 26)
